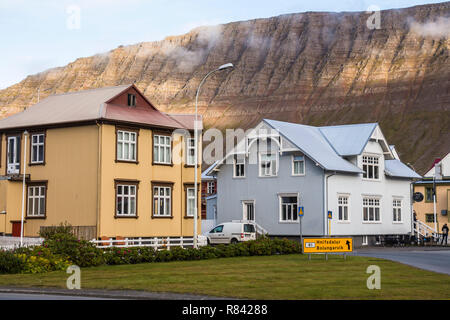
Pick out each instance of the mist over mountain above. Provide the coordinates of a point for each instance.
(313, 68)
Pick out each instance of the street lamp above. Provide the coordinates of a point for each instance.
(222, 67)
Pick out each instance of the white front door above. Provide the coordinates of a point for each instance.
(13, 164)
(249, 210)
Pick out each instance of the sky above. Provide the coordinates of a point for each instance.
(38, 35)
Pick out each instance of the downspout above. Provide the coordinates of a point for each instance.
(184, 143)
(326, 202)
(99, 177)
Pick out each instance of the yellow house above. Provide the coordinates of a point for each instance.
(105, 161)
(425, 209)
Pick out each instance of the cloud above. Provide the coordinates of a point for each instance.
(187, 58)
(436, 29)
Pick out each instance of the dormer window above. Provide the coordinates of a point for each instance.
(131, 100)
(371, 167)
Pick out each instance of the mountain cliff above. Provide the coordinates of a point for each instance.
(311, 68)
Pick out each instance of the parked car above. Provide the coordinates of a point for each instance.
(231, 232)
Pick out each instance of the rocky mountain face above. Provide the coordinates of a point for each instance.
(311, 68)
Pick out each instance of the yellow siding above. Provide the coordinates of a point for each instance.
(145, 172)
(442, 203)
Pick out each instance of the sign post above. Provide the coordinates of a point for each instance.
(301, 212)
(329, 215)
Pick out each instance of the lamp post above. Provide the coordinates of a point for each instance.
(222, 67)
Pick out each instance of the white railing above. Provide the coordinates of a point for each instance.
(258, 228)
(11, 243)
(158, 243)
(424, 230)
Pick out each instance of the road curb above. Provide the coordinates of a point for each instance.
(110, 294)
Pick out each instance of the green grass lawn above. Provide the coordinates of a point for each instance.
(271, 277)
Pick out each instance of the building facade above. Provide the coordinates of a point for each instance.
(438, 183)
(349, 170)
(105, 161)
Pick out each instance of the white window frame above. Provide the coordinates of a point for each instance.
(371, 161)
(13, 147)
(371, 202)
(343, 200)
(190, 211)
(190, 159)
(121, 142)
(260, 165)
(245, 203)
(32, 196)
(237, 161)
(301, 161)
(39, 145)
(157, 145)
(210, 187)
(397, 209)
(280, 208)
(158, 198)
(132, 210)
(365, 241)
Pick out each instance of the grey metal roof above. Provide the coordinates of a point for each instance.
(206, 174)
(94, 104)
(349, 140)
(62, 108)
(313, 143)
(396, 168)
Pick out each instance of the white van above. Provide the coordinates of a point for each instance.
(232, 232)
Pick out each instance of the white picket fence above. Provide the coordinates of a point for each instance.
(11, 243)
(158, 243)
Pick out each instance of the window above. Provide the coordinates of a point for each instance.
(36, 201)
(126, 199)
(190, 154)
(249, 210)
(210, 187)
(162, 201)
(298, 165)
(397, 210)
(249, 228)
(371, 167)
(190, 202)
(13, 156)
(131, 100)
(162, 149)
(429, 217)
(288, 210)
(126, 145)
(267, 164)
(217, 229)
(429, 194)
(37, 148)
(371, 210)
(343, 208)
(239, 167)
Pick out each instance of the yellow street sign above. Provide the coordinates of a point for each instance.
(327, 245)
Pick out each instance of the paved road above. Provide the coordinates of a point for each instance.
(28, 296)
(428, 259)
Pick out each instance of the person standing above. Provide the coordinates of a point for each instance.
(444, 234)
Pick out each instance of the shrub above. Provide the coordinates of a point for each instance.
(64, 229)
(80, 252)
(10, 263)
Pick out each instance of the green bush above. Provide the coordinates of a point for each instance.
(10, 263)
(80, 252)
(40, 259)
